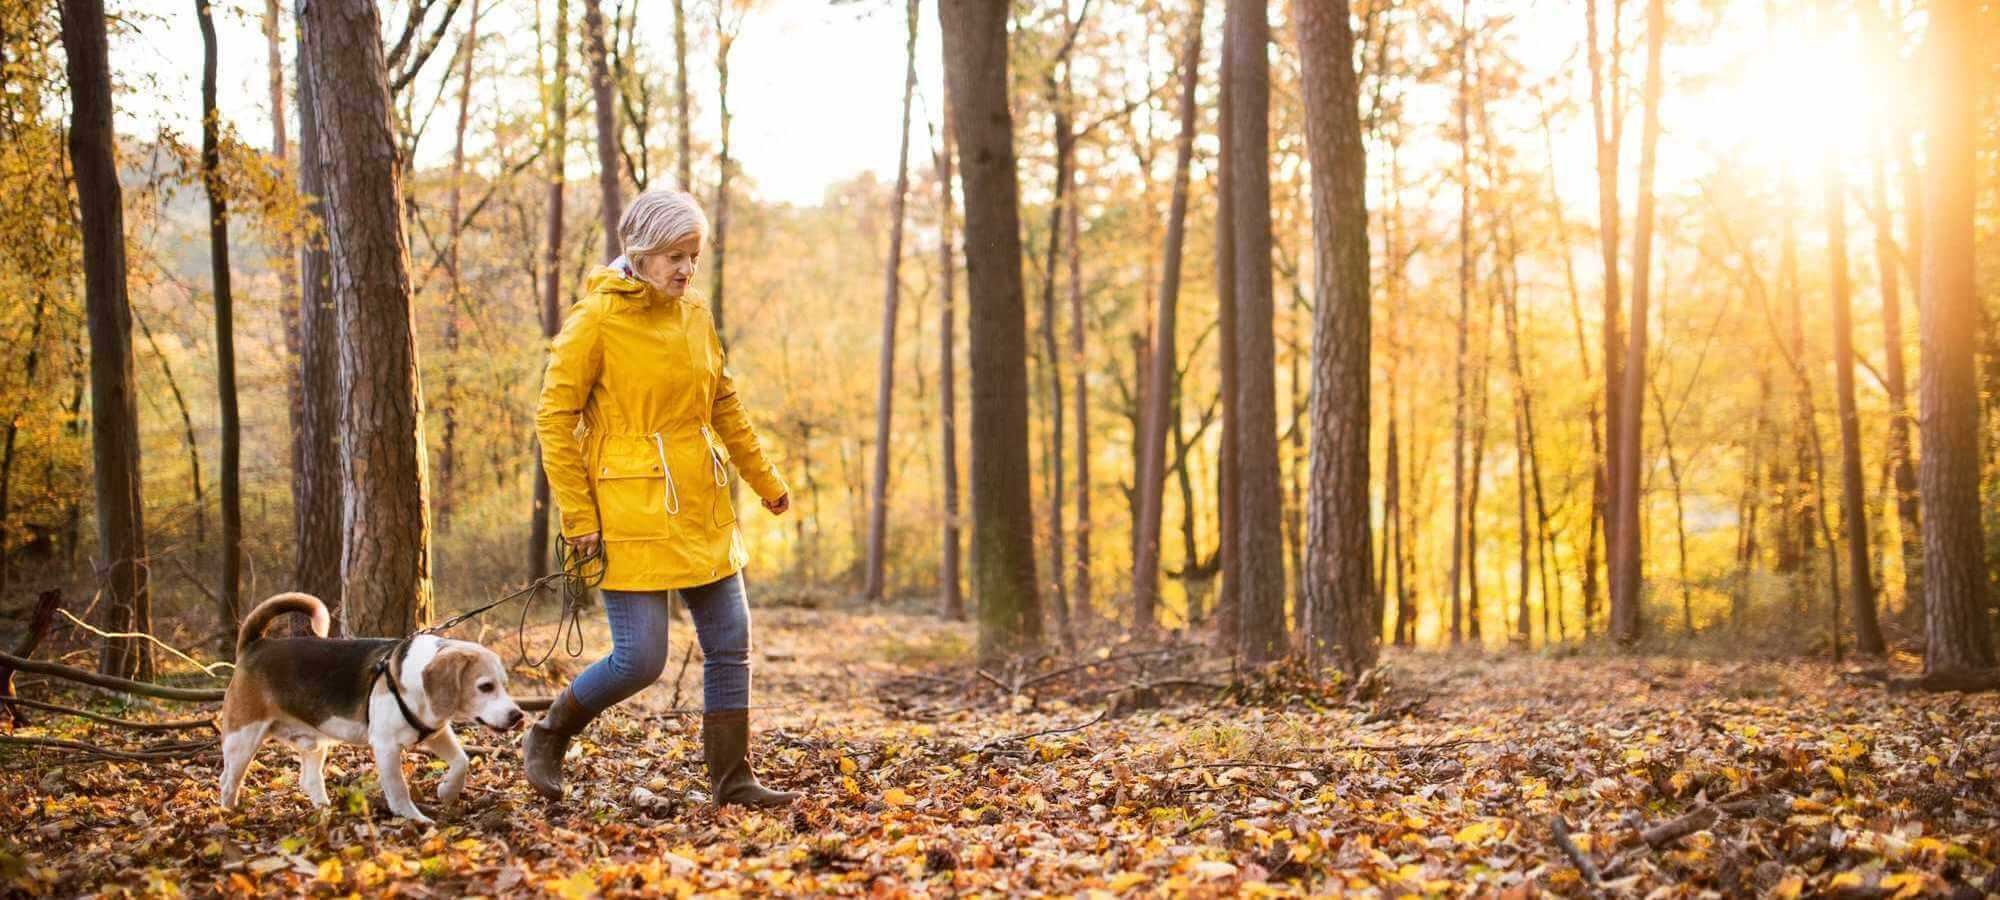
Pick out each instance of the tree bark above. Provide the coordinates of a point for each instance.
(1335, 581)
(1151, 480)
(1903, 475)
(1626, 624)
(1958, 635)
(725, 36)
(225, 334)
(1259, 537)
(685, 118)
(556, 134)
(892, 289)
(612, 204)
(316, 487)
(1003, 550)
(385, 551)
(1079, 373)
(948, 566)
(286, 263)
(121, 534)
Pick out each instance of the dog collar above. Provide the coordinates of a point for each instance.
(382, 671)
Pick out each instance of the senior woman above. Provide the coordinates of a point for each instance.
(641, 367)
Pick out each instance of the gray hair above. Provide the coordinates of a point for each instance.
(658, 218)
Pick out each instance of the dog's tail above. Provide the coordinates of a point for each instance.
(278, 605)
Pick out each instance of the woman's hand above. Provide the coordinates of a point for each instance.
(778, 506)
(584, 544)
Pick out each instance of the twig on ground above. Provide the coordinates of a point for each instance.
(1584, 866)
(1109, 660)
(989, 745)
(997, 682)
(177, 725)
(158, 752)
(111, 682)
(206, 668)
(1319, 771)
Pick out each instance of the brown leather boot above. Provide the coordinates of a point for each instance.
(725, 746)
(543, 747)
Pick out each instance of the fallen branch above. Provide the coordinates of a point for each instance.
(1022, 737)
(156, 753)
(1319, 771)
(110, 682)
(178, 725)
(1400, 748)
(1121, 657)
(1968, 681)
(1576, 855)
(38, 627)
(206, 668)
(1736, 803)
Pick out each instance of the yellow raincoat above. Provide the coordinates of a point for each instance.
(644, 373)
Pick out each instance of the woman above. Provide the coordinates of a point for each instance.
(641, 367)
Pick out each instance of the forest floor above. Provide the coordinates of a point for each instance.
(1152, 772)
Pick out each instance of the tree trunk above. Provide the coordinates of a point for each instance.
(385, 554)
(286, 263)
(1065, 140)
(1151, 480)
(225, 334)
(1853, 492)
(447, 491)
(685, 119)
(1228, 609)
(892, 289)
(612, 205)
(1003, 549)
(1903, 475)
(1258, 535)
(725, 36)
(1079, 372)
(121, 534)
(316, 488)
(556, 134)
(1626, 624)
(1335, 580)
(1459, 394)
(1958, 635)
(948, 568)
(1608, 127)
(31, 364)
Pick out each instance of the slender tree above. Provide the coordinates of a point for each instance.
(1258, 536)
(1607, 117)
(892, 289)
(1890, 263)
(1335, 579)
(1161, 358)
(114, 416)
(1853, 492)
(683, 121)
(447, 489)
(1958, 637)
(611, 205)
(726, 27)
(948, 564)
(287, 260)
(316, 487)
(1626, 623)
(385, 553)
(1003, 550)
(1460, 396)
(555, 138)
(225, 328)
(1227, 604)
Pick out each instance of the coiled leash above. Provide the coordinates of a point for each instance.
(577, 573)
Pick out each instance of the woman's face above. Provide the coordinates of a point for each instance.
(672, 267)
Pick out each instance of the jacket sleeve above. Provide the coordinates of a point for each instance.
(732, 424)
(575, 360)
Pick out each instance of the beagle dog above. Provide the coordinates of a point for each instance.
(388, 694)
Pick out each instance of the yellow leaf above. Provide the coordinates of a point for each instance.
(847, 766)
(1847, 879)
(578, 886)
(1125, 881)
(1473, 833)
(1839, 775)
(1789, 889)
(1905, 884)
(329, 870)
(897, 797)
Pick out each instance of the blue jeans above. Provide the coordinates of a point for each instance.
(639, 646)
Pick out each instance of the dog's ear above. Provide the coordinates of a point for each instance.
(448, 678)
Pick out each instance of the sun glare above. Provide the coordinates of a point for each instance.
(1793, 100)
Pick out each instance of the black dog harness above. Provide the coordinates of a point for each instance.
(382, 671)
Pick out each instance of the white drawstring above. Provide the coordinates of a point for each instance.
(715, 464)
(673, 499)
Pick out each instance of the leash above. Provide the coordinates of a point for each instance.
(577, 574)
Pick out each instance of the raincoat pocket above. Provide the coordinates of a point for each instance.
(632, 498)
